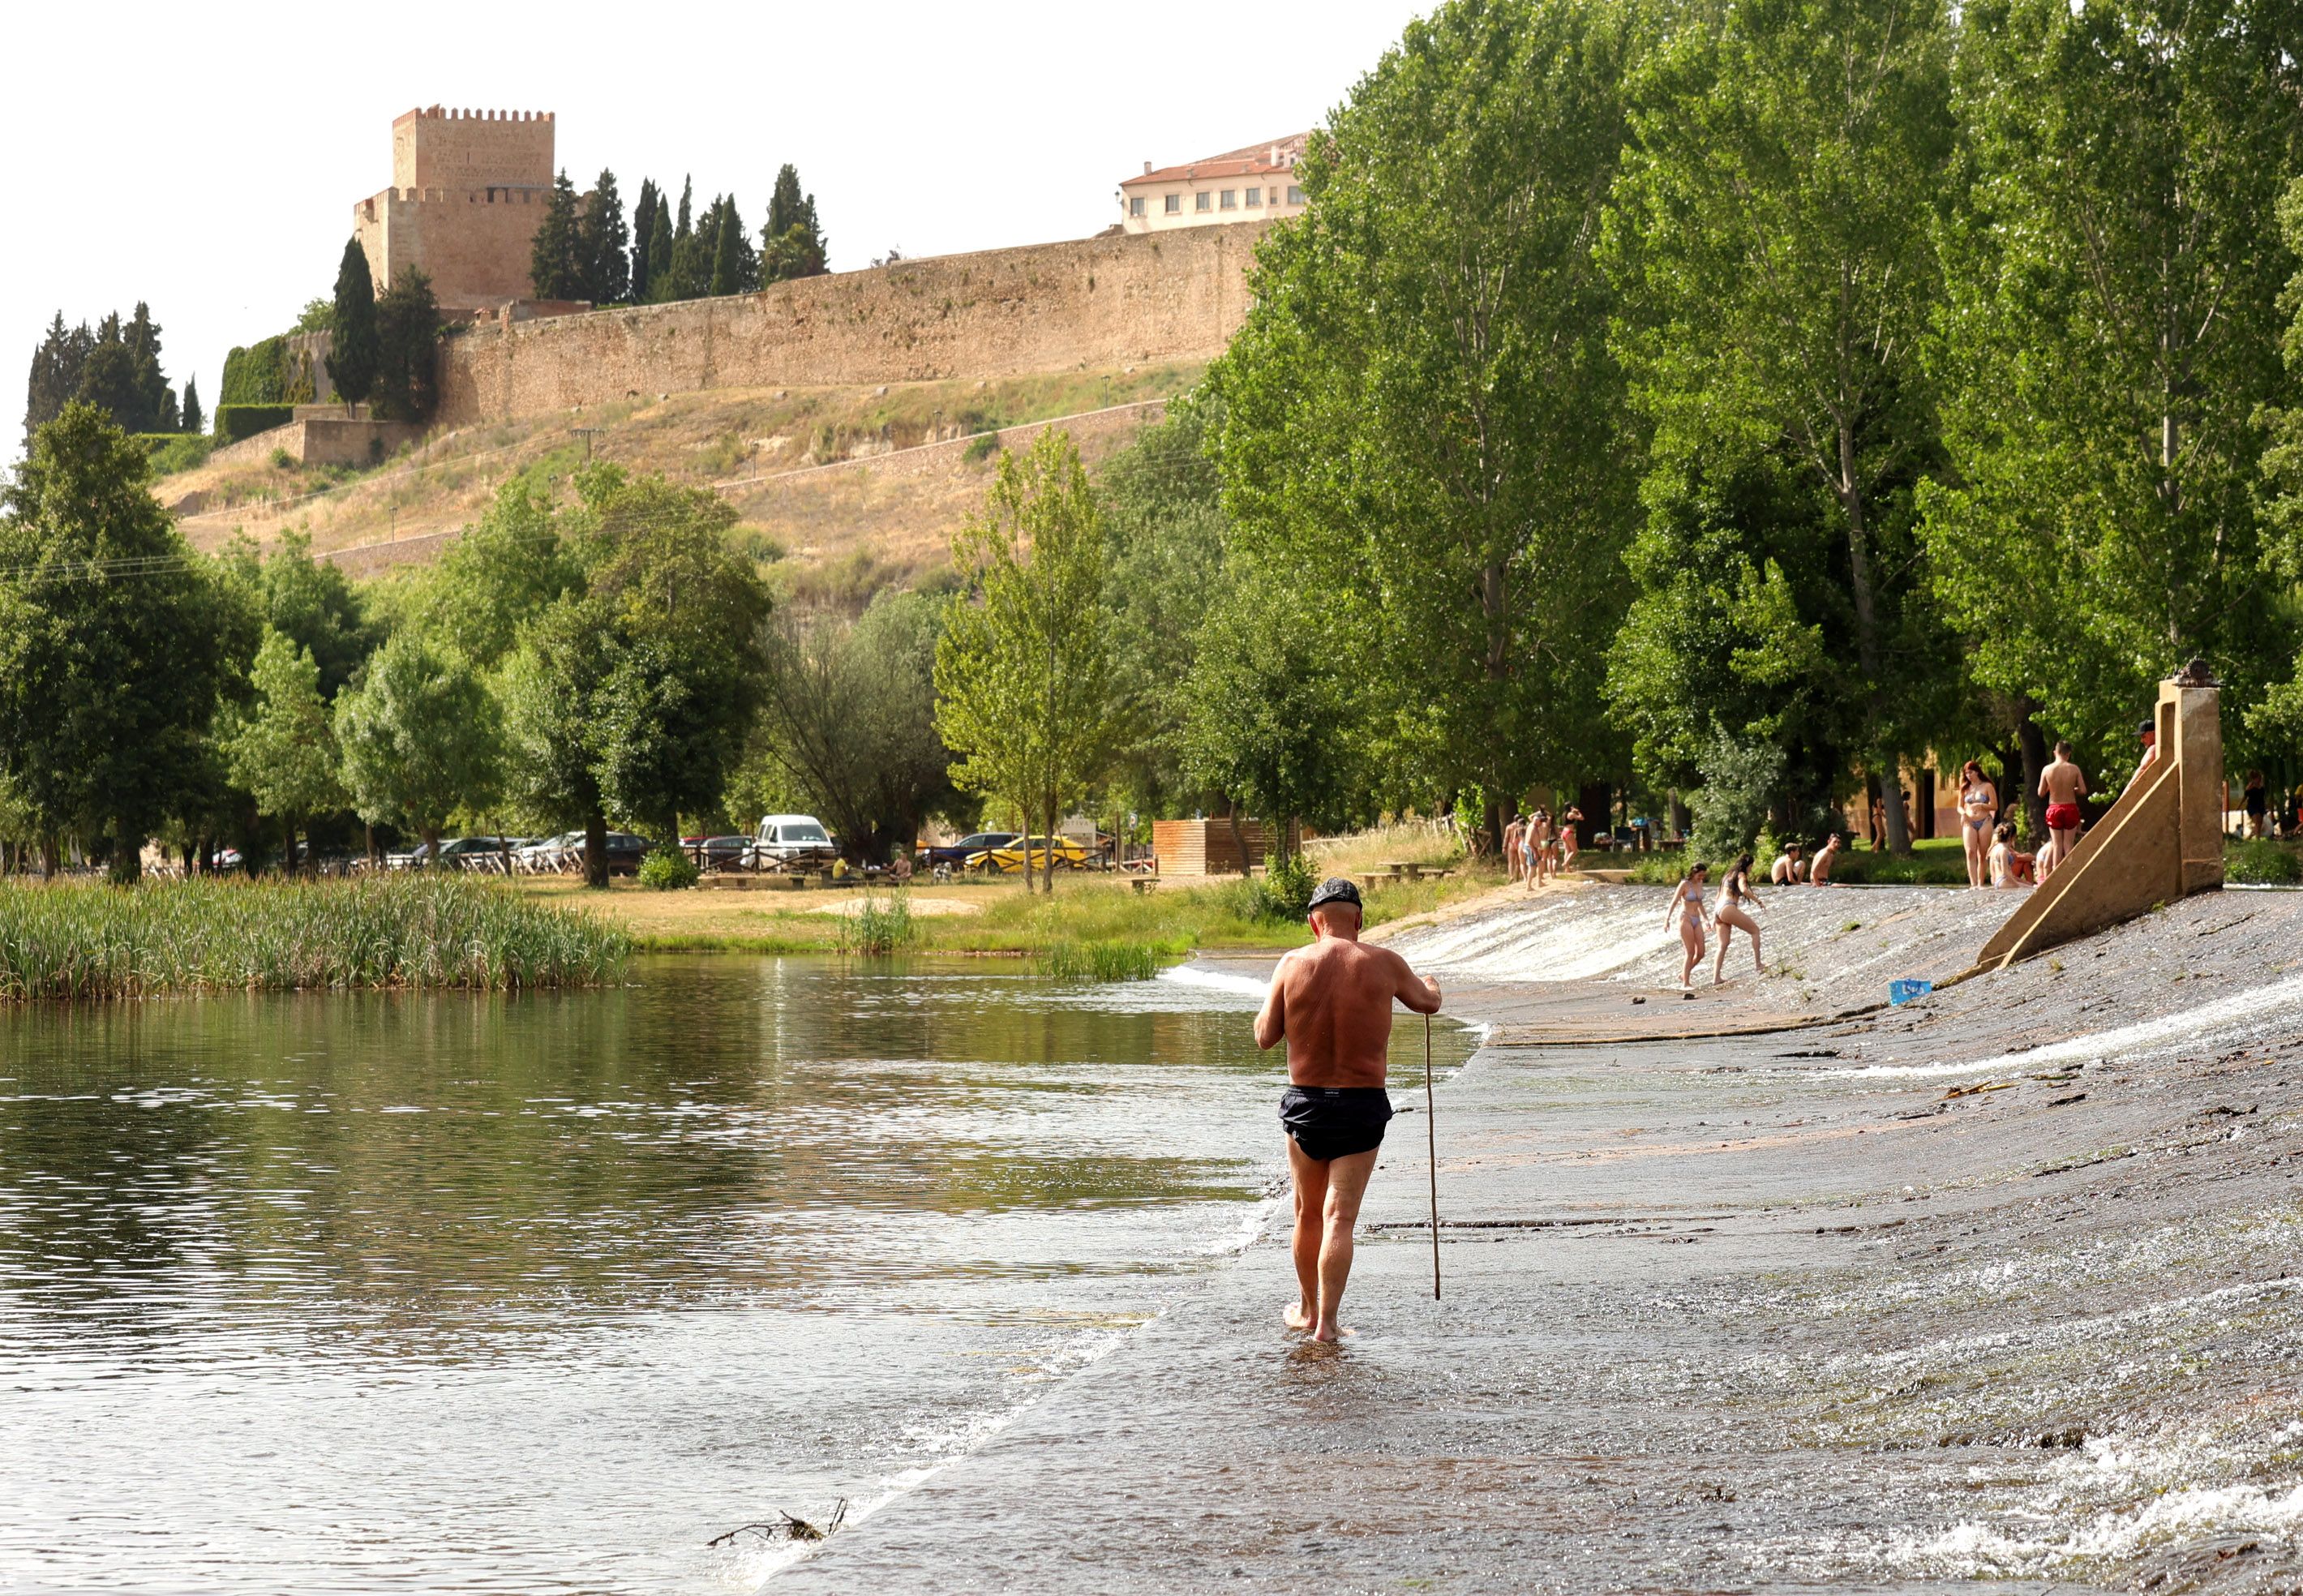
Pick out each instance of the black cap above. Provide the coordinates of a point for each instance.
(1334, 890)
(2146, 728)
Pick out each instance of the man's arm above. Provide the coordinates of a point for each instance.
(1271, 1020)
(1418, 992)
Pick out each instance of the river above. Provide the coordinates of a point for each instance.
(544, 1292)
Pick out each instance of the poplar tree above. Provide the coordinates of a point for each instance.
(1021, 670)
(2109, 342)
(555, 266)
(420, 737)
(602, 243)
(352, 351)
(1773, 238)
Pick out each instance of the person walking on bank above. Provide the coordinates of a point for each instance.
(1331, 1002)
(2258, 803)
(1978, 811)
(1686, 913)
(2062, 784)
(1571, 837)
(1736, 902)
(1515, 848)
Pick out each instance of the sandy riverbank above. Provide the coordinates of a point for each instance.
(1992, 1290)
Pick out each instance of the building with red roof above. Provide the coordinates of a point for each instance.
(1253, 184)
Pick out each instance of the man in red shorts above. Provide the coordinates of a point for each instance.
(2062, 784)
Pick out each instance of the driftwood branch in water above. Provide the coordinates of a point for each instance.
(785, 1527)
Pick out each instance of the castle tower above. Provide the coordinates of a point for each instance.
(467, 190)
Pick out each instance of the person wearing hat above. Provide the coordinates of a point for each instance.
(1332, 1003)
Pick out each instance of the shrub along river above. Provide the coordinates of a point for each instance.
(545, 1292)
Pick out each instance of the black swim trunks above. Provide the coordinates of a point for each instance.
(1335, 1121)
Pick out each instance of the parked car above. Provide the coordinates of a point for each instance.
(457, 853)
(549, 854)
(957, 854)
(1008, 860)
(719, 853)
(790, 842)
(625, 852)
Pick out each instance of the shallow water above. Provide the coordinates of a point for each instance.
(542, 1293)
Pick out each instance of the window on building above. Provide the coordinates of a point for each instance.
(1203, 201)
(1295, 194)
(1174, 204)
(1136, 205)
(1231, 200)
(1254, 199)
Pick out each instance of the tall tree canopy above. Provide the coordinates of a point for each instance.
(556, 266)
(792, 242)
(2106, 338)
(353, 354)
(1422, 418)
(644, 215)
(1772, 238)
(602, 242)
(406, 339)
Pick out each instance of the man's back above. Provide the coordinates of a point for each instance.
(1335, 999)
(2062, 782)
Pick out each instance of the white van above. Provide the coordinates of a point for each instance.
(791, 842)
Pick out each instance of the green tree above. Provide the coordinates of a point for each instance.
(2107, 337)
(110, 643)
(419, 738)
(504, 571)
(792, 242)
(1022, 674)
(662, 248)
(735, 264)
(307, 601)
(644, 215)
(548, 688)
(352, 346)
(1773, 238)
(1422, 417)
(154, 407)
(407, 341)
(848, 717)
(602, 242)
(285, 751)
(57, 367)
(555, 260)
(194, 418)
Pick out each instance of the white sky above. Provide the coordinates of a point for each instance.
(206, 158)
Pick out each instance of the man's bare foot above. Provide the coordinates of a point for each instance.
(1297, 1318)
(1331, 1332)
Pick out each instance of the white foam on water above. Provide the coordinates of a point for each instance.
(1564, 939)
(1226, 981)
(2192, 1027)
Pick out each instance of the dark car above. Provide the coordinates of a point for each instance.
(717, 853)
(956, 854)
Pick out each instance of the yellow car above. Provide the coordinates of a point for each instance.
(1065, 854)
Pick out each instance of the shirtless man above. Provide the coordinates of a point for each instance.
(2062, 784)
(1819, 874)
(1515, 848)
(1790, 869)
(1332, 1001)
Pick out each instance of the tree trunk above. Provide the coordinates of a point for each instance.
(50, 859)
(1049, 880)
(1896, 819)
(431, 835)
(1238, 837)
(374, 854)
(2033, 741)
(596, 850)
(295, 866)
(127, 856)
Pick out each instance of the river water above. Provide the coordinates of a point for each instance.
(544, 1292)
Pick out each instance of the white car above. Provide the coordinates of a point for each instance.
(790, 842)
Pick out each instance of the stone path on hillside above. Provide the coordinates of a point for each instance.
(1879, 1305)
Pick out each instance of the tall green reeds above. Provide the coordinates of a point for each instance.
(85, 941)
(1110, 961)
(879, 928)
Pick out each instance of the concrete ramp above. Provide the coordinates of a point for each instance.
(2162, 840)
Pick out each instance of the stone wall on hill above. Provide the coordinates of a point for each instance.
(1094, 304)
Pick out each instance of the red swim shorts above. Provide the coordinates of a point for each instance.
(2062, 818)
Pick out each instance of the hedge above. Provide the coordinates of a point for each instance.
(175, 450)
(257, 374)
(235, 422)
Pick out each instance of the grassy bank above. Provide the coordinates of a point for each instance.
(1085, 925)
(87, 942)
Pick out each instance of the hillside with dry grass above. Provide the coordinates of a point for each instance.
(856, 486)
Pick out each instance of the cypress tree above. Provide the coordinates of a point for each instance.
(602, 242)
(352, 348)
(554, 267)
(662, 253)
(407, 332)
(791, 244)
(687, 194)
(725, 267)
(192, 416)
(784, 204)
(643, 239)
(57, 368)
(142, 338)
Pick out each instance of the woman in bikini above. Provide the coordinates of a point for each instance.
(1571, 841)
(1978, 812)
(1538, 847)
(1687, 913)
(1734, 912)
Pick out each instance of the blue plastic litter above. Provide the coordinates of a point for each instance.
(1900, 992)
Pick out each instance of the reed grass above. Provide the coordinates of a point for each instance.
(878, 928)
(83, 942)
(1111, 960)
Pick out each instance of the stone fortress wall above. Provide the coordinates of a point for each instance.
(1093, 304)
(467, 190)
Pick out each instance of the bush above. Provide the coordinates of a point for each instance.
(176, 450)
(668, 869)
(235, 422)
(2261, 863)
(281, 460)
(877, 929)
(1286, 890)
(1740, 779)
(983, 445)
(1659, 869)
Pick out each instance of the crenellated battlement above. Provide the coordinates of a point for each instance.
(468, 188)
(435, 113)
(435, 148)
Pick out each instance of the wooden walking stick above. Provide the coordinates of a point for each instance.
(1431, 1131)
